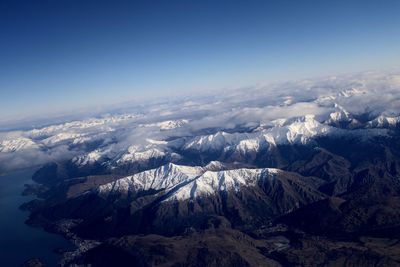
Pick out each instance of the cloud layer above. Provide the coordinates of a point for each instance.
(160, 125)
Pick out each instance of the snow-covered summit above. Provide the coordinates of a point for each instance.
(186, 181)
(352, 92)
(18, 144)
(89, 158)
(384, 121)
(164, 177)
(211, 182)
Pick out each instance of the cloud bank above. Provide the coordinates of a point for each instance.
(160, 125)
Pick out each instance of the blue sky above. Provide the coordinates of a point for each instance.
(64, 55)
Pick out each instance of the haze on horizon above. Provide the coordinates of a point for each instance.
(68, 55)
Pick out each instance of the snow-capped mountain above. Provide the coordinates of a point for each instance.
(162, 178)
(87, 159)
(212, 182)
(168, 125)
(189, 182)
(384, 122)
(18, 144)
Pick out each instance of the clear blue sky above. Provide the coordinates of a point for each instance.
(59, 55)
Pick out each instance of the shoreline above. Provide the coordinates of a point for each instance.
(60, 228)
(22, 241)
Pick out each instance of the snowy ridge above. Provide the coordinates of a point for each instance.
(384, 121)
(340, 115)
(88, 158)
(133, 156)
(191, 182)
(298, 130)
(167, 125)
(210, 183)
(151, 149)
(61, 137)
(214, 141)
(352, 92)
(93, 123)
(13, 145)
(164, 177)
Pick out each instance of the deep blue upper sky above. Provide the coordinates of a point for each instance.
(60, 55)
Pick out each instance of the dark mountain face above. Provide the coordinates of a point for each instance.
(213, 247)
(148, 212)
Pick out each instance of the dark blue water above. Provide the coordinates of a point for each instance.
(18, 241)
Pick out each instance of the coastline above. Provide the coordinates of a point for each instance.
(20, 235)
(61, 228)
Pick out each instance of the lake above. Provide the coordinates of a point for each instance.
(19, 241)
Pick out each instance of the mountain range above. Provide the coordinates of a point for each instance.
(304, 173)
